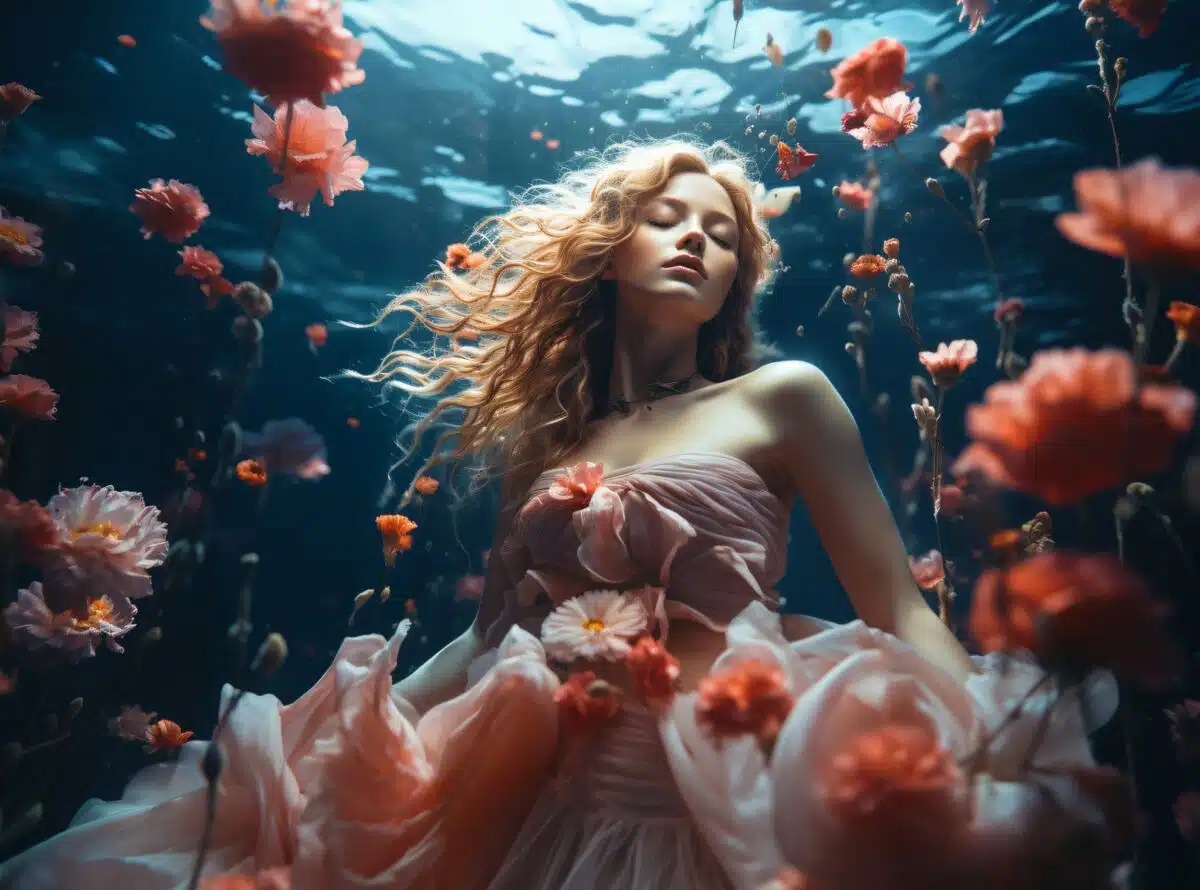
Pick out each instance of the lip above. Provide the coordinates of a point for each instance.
(689, 262)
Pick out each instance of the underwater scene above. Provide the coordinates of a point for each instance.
(580, 444)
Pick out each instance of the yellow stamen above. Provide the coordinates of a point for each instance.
(99, 611)
(12, 233)
(593, 625)
(105, 529)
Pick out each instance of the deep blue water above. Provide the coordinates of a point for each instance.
(453, 91)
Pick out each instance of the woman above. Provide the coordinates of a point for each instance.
(627, 711)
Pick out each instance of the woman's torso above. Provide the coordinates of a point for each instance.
(715, 419)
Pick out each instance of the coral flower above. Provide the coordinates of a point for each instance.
(793, 163)
(20, 334)
(977, 11)
(108, 541)
(20, 241)
(1076, 612)
(750, 698)
(596, 625)
(1146, 211)
(971, 145)
(319, 159)
(887, 120)
(132, 723)
(172, 209)
(578, 484)
(29, 524)
(74, 633)
(396, 531)
(425, 485)
(854, 195)
(201, 264)
(288, 52)
(949, 362)
(30, 396)
(251, 472)
(290, 446)
(1074, 424)
(928, 571)
(1145, 15)
(654, 670)
(585, 703)
(1186, 318)
(898, 772)
(460, 256)
(166, 735)
(876, 70)
(891, 248)
(318, 336)
(868, 265)
(15, 100)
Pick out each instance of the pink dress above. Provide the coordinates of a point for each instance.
(348, 788)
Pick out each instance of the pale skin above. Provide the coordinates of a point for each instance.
(786, 420)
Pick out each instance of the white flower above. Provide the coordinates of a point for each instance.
(596, 625)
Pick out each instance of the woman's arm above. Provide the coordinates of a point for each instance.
(824, 455)
(445, 675)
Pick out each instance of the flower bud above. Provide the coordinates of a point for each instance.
(934, 186)
(898, 282)
(1121, 66)
(272, 275)
(271, 656)
(843, 213)
(907, 216)
(254, 300)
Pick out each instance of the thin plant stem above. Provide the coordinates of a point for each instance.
(277, 224)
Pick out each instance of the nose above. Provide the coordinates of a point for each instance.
(693, 242)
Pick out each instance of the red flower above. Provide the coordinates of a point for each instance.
(1075, 611)
(199, 263)
(15, 99)
(29, 522)
(877, 70)
(172, 209)
(585, 703)
(1009, 311)
(287, 52)
(1075, 424)
(854, 196)
(1144, 14)
(750, 698)
(166, 735)
(30, 396)
(655, 671)
(793, 163)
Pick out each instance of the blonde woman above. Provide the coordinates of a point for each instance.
(627, 711)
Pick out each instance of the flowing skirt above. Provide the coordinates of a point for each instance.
(348, 789)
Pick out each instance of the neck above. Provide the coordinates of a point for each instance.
(644, 355)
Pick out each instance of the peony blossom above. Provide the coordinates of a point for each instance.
(597, 625)
(1074, 424)
(749, 698)
(20, 241)
(1145, 15)
(15, 100)
(929, 571)
(108, 542)
(654, 671)
(578, 484)
(199, 263)
(288, 51)
(319, 159)
(854, 195)
(876, 70)
(20, 334)
(132, 723)
(886, 119)
(172, 209)
(585, 703)
(29, 396)
(868, 265)
(949, 362)
(28, 524)
(289, 446)
(977, 10)
(1146, 211)
(971, 145)
(73, 633)
(1075, 612)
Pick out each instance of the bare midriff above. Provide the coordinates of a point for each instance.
(693, 644)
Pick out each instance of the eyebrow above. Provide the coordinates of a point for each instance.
(681, 204)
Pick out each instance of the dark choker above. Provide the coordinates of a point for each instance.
(657, 391)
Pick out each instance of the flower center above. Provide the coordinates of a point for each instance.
(99, 611)
(593, 625)
(12, 233)
(104, 528)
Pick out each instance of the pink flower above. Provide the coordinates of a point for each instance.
(596, 625)
(15, 99)
(876, 70)
(74, 632)
(108, 541)
(20, 240)
(469, 587)
(30, 396)
(287, 52)
(654, 671)
(854, 195)
(20, 334)
(172, 209)
(928, 571)
(586, 704)
(887, 119)
(27, 522)
(976, 9)
(318, 157)
(971, 145)
(578, 484)
(201, 264)
(132, 723)
(750, 698)
(950, 362)
(289, 446)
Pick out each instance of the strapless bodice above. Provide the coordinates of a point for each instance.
(703, 527)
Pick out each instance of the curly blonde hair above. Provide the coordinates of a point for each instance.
(531, 330)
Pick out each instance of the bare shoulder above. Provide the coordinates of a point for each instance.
(788, 387)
